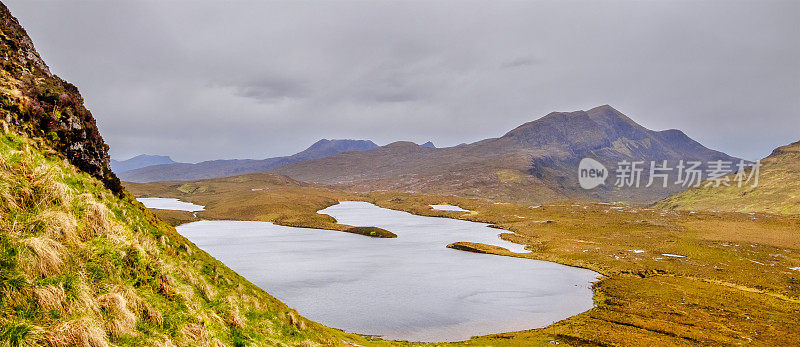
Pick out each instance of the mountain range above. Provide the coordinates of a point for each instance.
(222, 168)
(535, 162)
(139, 161)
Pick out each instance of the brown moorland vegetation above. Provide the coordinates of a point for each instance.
(734, 283)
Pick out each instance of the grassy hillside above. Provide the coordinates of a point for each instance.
(81, 266)
(778, 189)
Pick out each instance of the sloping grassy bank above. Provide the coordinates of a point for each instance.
(81, 266)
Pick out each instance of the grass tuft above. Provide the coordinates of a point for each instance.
(51, 297)
(59, 225)
(43, 257)
(77, 333)
(122, 320)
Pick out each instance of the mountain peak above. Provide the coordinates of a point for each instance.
(325, 147)
(602, 128)
(603, 108)
(339, 144)
(428, 144)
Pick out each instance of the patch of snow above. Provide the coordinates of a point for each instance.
(637, 251)
(170, 204)
(673, 255)
(448, 208)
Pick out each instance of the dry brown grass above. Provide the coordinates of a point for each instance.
(96, 218)
(123, 321)
(153, 315)
(45, 257)
(207, 290)
(41, 186)
(296, 321)
(51, 297)
(195, 333)
(83, 302)
(234, 318)
(59, 225)
(76, 333)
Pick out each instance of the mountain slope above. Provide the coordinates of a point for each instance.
(778, 189)
(139, 161)
(224, 168)
(81, 262)
(82, 266)
(535, 162)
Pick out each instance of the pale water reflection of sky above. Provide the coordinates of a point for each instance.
(409, 287)
(169, 204)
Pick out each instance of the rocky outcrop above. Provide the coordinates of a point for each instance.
(42, 105)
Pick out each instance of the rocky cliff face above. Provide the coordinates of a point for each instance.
(42, 105)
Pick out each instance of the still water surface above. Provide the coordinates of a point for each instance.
(408, 288)
(169, 204)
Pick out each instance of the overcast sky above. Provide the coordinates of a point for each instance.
(235, 79)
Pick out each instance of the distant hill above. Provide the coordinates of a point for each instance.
(139, 161)
(223, 168)
(536, 162)
(778, 189)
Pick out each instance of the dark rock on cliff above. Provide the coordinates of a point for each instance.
(42, 105)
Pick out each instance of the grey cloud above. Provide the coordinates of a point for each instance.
(520, 62)
(206, 80)
(270, 89)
